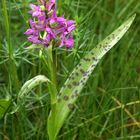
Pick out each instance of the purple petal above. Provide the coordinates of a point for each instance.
(34, 39)
(53, 1)
(72, 27)
(29, 31)
(32, 24)
(52, 20)
(33, 6)
(66, 42)
(62, 44)
(69, 42)
(40, 27)
(54, 13)
(42, 17)
(70, 22)
(60, 30)
(51, 5)
(36, 13)
(50, 32)
(46, 41)
(36, 10)
(61, 20)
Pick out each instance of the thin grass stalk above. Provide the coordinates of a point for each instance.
(12, 67)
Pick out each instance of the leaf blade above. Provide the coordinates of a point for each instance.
(77, 79)
(4, 105)
(27, 87)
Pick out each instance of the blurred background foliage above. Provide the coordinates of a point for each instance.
(115, 82)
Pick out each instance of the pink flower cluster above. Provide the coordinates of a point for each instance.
(46, 26)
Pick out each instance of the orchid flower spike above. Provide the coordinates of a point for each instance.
(47, 27)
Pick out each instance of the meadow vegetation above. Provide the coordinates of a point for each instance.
(108, 106)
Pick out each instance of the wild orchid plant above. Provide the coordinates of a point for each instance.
(47, 31)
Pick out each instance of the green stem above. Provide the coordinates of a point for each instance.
(51, 69)
(12, 67)
(52, 86)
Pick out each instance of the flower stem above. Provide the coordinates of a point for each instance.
(52, 87)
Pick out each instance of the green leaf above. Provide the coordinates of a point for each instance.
(78, 78)
(27, 87)
(4, 105)
(30, 84)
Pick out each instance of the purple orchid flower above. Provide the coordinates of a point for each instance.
(46, 27)
(35, 10)
(68, 42)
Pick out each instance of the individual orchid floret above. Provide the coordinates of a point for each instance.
(46, 27)
(51, 5)
(35, 10)
(70, 25)
(67, 41)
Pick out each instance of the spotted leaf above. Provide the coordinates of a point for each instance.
(27, 87)
(78, 78)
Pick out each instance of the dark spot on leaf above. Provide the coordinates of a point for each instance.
(72, 96)
(76, 73)
(108, 38)
(95, 59)
(72, 77)
(106, 49)
(109, 46)
(75, 83)
(120, 30)
(93, 66)
(86, 59)
(84, 78)
(70, 106)
(113, 36)
(69, 86)
(34, 78)
(65, 97)
(76, 94)
(100, 45)
(76, 67)
(82, 71)
(85, 74)
(118, 38)
(82, 82)
(80, 64)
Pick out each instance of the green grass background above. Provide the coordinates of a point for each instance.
(115, 81)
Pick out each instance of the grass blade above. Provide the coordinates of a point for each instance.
(4, 105)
